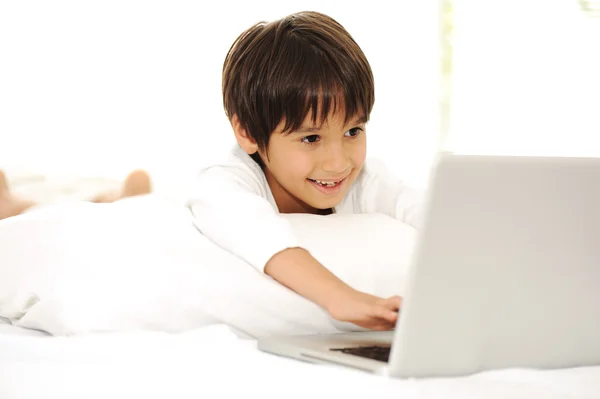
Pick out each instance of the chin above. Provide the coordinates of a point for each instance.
(324, 205)
(323, 202)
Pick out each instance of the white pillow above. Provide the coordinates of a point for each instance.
(140, 264)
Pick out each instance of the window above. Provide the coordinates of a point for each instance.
(591, 8)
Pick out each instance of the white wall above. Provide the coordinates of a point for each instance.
(526, 79)
(103, 87)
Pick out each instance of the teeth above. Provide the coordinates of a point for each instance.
(326, 183)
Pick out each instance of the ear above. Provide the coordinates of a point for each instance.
(242, 136)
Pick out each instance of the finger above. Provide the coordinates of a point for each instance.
(382, 327)
(393, 303)
(385, 325)
(388, 315)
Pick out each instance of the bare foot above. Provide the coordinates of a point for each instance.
(137, 183)
(10, 204)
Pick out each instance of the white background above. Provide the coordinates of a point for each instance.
(99, 88)
(527, 79)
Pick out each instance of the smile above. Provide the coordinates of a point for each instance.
(325, 183)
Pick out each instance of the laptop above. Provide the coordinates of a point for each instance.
(505, 274)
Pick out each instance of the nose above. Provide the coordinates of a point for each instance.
(335, 160)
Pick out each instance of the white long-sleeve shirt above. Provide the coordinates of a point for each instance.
(233, 206)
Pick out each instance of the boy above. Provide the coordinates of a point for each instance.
(298, 93)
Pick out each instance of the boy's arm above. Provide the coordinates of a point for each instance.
(301, 272)
(229, 208)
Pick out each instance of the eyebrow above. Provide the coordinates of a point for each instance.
(314, 129)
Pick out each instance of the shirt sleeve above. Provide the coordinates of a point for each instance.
(229, 207)
(382, 192)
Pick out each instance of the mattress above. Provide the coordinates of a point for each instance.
(213, 362)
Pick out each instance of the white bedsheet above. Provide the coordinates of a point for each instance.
(6, 328)
(213, 362)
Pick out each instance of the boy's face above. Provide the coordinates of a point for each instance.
(311, 169)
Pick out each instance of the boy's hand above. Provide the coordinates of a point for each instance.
(300, 271)
(366, 310)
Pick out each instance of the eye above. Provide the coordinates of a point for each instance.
(312, 139)
(355, 131)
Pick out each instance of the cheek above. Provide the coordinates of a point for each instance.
(296, 164)
(303, 166)
(359, 154)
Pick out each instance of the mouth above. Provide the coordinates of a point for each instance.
(331, 187)
(327, 183)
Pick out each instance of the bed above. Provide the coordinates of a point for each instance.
(215, 361)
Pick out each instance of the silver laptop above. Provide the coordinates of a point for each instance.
(506, 274)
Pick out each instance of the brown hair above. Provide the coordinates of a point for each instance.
(282, 70)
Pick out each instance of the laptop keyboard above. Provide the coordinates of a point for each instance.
(381, 353)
